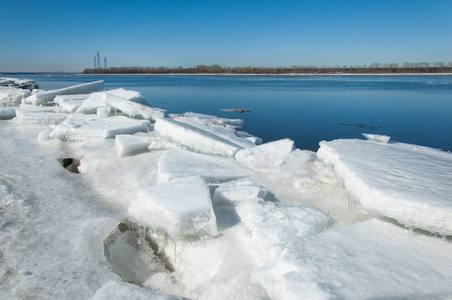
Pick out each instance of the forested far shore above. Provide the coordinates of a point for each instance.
(375, 68)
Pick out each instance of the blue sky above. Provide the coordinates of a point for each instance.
(65, 35)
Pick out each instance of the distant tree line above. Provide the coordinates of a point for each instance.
(406, 67)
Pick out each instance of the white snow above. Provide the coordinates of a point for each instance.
(84, 88)
(194, 138)
(408, 183)
(80, 128)
(265, 222)
(179, 208)
(369, 260)
(178, 163)
(267, 156)
(10, 96)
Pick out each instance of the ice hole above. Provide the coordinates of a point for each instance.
(134, 254)
(70, 164)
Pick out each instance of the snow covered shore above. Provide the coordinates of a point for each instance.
(103, 196)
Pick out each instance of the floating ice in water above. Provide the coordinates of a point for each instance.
(409, 183)
(272, 225)
(179, 208)
(267, 156)
(377, 137)
(84, 88)
(178, 163)
(80, 128)
(131, 144)
(32, 115)
(70, 103)
(194, 138)
(235, 193)
(133, 109)
(7, 113)
(372, 259)
(10, 96)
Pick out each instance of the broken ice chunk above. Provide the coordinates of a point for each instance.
(194, 138)
(28, 115)
(233, 194)
(180, 208)
(92, 103)
(267, 156)
(377, 137)
(133, 109)
(80, 128)
(7, 113)
(84, 88)
(178, 163)
(129, 144)
(70, 103)
(10, 96)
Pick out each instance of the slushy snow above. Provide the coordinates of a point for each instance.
(191, 207)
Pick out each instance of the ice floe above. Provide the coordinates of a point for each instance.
(408, 183)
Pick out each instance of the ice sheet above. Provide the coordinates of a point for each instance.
(84, 88)
(370, 260)
(10, 96)
(195, 139)
(179, 163)
(80, 128)
(267, 156)
(180, 208)
(133, 109)
(409, 183)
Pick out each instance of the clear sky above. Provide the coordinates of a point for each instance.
(65, 35)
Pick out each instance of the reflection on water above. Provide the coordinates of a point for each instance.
(305, 108)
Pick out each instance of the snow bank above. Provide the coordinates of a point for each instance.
(178, 163)
(194, 138)
(267, 156)
(369, 260)
(80, 128)
(409, 183)
(179, 208)
(10, 96)
(84, 88)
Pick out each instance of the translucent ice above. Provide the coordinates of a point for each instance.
(179, 208)
(194, 138)
(409, 183)
(84, 88)
(178, 163)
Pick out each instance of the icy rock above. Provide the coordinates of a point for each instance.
(273, 225)
(80, 128)
(70, 103)
(368, 260)
(180, 208)
(233, 194)
(84, 88)
(409, 183)
(178, 163)
(377, 137)
(7, 113)
(267, 156)
(32, 115)
(194, 138)
(10, 96)
(130, 144)
(133, 109)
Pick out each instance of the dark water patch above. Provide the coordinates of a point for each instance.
(70, 164)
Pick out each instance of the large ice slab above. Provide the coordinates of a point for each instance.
(80, 127)
(32, 115)
(127, 144)
(70, 103)
(10, 96)
(235, 193)
(267, 156)
(409, 183)
(179, 163)
(194, 138)
(180, 208)
(133, 109)
(369, 260)
(84, 88)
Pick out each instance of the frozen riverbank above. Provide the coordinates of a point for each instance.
(235, 219)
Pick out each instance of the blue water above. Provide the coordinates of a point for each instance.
(305, 108)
